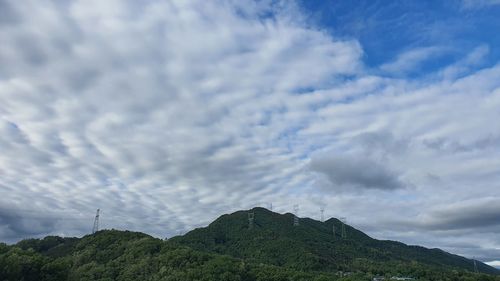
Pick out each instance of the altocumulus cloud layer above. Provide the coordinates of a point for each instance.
(167, 114)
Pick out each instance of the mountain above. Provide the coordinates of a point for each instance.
(227, 250)
(312, 246)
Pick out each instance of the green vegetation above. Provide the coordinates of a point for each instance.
(312, 246)
(123, 255)
(228, 250)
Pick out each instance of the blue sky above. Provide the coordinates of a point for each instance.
(167, 114)
(387, 29)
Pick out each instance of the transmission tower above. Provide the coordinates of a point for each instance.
(95, 228)
(344, 232)
(251, 217)
(271, 206)
(322, 210)
(475, 265)
(333, 229)
(295, 215)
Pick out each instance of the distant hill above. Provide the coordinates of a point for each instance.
(227, 250)
(312, 246)
(130, 256)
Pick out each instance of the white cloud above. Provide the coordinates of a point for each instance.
(152, 109)
(474, 59)
(494, 263)
(476, 4)
(412, 59)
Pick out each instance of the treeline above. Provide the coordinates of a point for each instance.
(123, 255)
(312, 246)
(116, 255)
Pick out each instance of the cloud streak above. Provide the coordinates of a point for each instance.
(412, 59)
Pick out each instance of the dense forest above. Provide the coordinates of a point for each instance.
(231, 249)
(315, 245)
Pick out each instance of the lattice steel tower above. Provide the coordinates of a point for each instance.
(95, 228)
(295, 215)
(322, 210)
(344, 232)
(251, 218)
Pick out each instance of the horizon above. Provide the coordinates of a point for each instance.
(90, 233)
(167, 114)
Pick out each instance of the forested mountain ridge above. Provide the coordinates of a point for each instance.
(312, 245)
(124, 256)
(227, 250)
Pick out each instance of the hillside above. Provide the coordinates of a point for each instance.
(312, 246)
(227, 250)
(129, 256)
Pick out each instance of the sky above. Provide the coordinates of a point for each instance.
(168, 114)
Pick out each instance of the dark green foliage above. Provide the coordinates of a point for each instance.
(52, 246)
(311, 246)
(123, 255)
(228, 251)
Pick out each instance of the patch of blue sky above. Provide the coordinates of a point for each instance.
(388, 29)
(304, 90)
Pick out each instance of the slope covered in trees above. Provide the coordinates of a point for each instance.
(312, 246)
(228, 251)
(123, 255)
